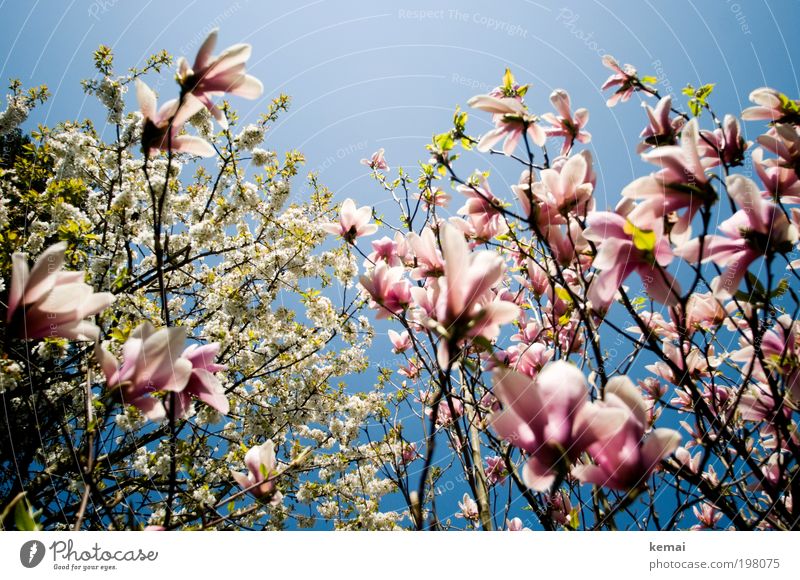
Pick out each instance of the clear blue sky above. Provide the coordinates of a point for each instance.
(375, 74)
(365, 75)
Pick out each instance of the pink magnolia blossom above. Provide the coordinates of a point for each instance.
(385, 249)
(560, 507)
(698, 363)
(725, 145)
(376, 161)
(429, 261)
(401, 341)
(203, 382)
(48, 302)
(624, 78)
(162, 127)
(482, 207)
(707, 516)
(411, 370)
(661, 128)
(389, 291)
(780, 347)
(353, 222)
(550, 418)
(408, 452)
(463, 303)
(262, 471)
(445, 416)
(687, 460)
(770, 106)
(469, 508)
(784, 141)
(151, 363)
(680, 184)
(511, 120)
(759, 228)
(625, 459)
(496, 469)
(516, 525)
(433, 197)
(703, 312)
(565, 124)
(780, 183)
(622, 249)
(563, 192)
(212, 76)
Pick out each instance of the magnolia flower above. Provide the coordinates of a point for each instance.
(496, 469)
(482, 208)
(401, 342)
(203, 383)
(390, 292)
(661, 129)
(433, 197)
(516, 525)
(151, 362)
(563, 192)
(48, 302)
(625, 459)
(511, 121)
(262, 472)
(623, 249)
(162, 126)
(550, 418)
(759, 228)
(623, 77)
(462, 300)
(725, 145)
(213, 76)
(408, 452)
(469, 508)
(780, 348)
(681, 183)
(567, 125)
(780, 183)
(707, 516)
(771, 106)
(353, 222)
(429, 261)
(784, 141)
(385, 250)
(445, 416)
(376, 161)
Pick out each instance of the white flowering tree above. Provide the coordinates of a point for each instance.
(172, 333)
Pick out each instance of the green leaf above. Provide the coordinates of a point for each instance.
(444, 141)
(780, 289)
(508, 81)
(649, 80)
(644, 240)
(24, 517)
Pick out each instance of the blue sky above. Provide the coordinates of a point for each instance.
(364, 75)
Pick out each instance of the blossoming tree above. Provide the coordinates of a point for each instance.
(172, 333)
(506, 313)
(170, 340)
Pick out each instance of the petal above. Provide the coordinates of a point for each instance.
(204, 54)
(537, 475)
(43, 275)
